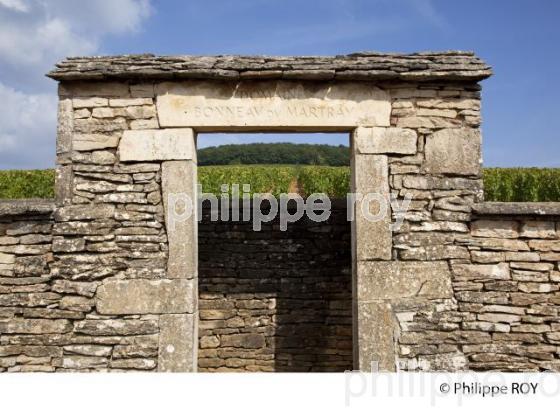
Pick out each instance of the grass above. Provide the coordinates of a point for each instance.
(27, 184)
(500, 184)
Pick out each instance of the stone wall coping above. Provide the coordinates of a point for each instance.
(516, 208)
(364, 66)
(9, 207)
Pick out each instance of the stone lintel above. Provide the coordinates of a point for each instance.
(157, 145)
(145, 296)
(271, 104)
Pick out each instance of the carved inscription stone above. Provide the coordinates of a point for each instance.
(271, 104)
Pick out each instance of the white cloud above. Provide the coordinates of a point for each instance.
(102, 17)
(34, 35)
(16, 5)
(27, 128)
(39, 45)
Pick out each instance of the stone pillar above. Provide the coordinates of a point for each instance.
(371, 240)
(380, 281)
(178, 333)
(174, 298)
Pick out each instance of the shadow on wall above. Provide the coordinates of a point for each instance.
(273, 300)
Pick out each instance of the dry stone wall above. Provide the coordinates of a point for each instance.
(48, 305)
(273, 300)
(504, 313)
(457, 285)
(281, 301)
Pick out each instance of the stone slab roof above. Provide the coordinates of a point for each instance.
(425, 66)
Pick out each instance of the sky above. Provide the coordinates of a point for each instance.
(518, 38)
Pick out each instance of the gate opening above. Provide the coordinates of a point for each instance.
(274, 299)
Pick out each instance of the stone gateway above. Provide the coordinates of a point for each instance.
(99, 279)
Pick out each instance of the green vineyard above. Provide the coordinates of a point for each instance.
(500, 184)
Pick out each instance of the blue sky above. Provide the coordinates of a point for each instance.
(519, 38)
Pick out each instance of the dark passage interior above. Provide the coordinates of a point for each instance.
(273, 300)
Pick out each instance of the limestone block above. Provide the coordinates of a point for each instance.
(209, 342)
(157, 145)
(271, 104)
(84, 212)
(66, 245)
(493, 271)
(136, 364)
(376, 337)
(91, 142)
(76, 303)
(459, 104)
(529, 287)
(453, 151)
(372, 238)
(90, 102)
(105, 112)
(79, 288)
(142, 296)
(144, 346)
(499, 317)
(427, 122)
(65, 125)
(88, 350)
(141, 112)
(178, 185)
(116, 327)
(7, 258)
(82, 113)
(63, 184)
(428, 112)
(545, 246)
(144, 124)
(178, 343)
(84, 362)
(538, 229)
(396, 280)
(495, 228)
(540, 267)
(129, 102)
(245, 341)
(100, 125)
(34, 326)
(379, 140)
